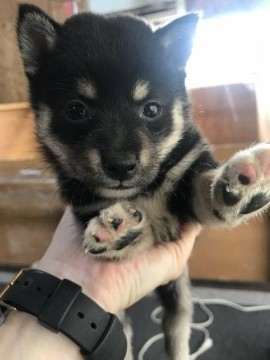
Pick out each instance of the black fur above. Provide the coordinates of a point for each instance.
(127, 240)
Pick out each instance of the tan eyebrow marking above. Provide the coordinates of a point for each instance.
(140, 90)
(87, 89)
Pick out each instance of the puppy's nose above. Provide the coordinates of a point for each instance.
(120, 168)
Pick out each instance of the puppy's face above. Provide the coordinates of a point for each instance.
(108, 95)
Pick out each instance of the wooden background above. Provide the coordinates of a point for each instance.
(13, 87)
(231, 117)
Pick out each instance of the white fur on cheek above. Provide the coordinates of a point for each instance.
(43, 124)
(177, 132)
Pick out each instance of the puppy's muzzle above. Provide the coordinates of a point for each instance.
(121, 168)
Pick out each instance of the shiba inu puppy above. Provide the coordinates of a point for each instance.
(112, 118)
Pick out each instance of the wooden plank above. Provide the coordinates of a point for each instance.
(30, 210)
(14, 106)
(225, 151)
(13, 86)
(7, 10)
(241, 254)
(17, 138)
(24, 239)
(226, 114)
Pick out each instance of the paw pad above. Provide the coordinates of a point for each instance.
(243, 185)
(244, 180)
(116, 227)
(116, 222)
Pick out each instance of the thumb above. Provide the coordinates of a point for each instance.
(180, 250)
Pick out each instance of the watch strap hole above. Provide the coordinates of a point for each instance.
(80, 315)
(93, 326)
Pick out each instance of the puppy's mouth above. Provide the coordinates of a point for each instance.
(118, 188)
(119, 191)
(124, 184)
(121, 186)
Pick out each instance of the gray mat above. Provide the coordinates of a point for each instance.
(236, 335)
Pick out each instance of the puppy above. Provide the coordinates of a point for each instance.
(112, 117)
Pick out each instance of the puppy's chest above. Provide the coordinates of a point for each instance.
(164, 225)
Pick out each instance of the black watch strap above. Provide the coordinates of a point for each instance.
(61, 306)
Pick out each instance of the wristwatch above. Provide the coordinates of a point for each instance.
(61, 306)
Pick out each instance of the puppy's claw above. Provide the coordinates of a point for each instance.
(86, 249)
(96, 238)
(116, 222)
(138, 215)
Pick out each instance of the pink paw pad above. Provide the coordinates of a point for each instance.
(102, 236)
(248, 174)
(115, 227)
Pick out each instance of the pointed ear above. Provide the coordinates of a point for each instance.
(36, 36)
(177, 38)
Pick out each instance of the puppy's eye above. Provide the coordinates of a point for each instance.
(77, 111)
(151, 110)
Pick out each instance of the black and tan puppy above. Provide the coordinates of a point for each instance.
(112, 117)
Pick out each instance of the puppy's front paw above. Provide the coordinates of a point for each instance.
(114, 229)
(243, 186)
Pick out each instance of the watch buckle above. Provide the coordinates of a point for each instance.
(2, 292)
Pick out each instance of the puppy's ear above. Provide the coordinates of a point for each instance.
(177, 38)
(36, 36)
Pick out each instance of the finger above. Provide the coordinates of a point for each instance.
(191, 228)
(187, 239)
(69, 229)
(67, 238)
(180, 250)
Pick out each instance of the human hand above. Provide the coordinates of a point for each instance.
(115, 285)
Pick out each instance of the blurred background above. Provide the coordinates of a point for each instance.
(228, 82)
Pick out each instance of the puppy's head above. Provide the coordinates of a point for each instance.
(108, 94)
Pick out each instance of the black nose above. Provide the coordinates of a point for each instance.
(120, 167)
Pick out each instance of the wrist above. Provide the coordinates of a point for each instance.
(22, 337)
(61, 307)
(78, 275)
